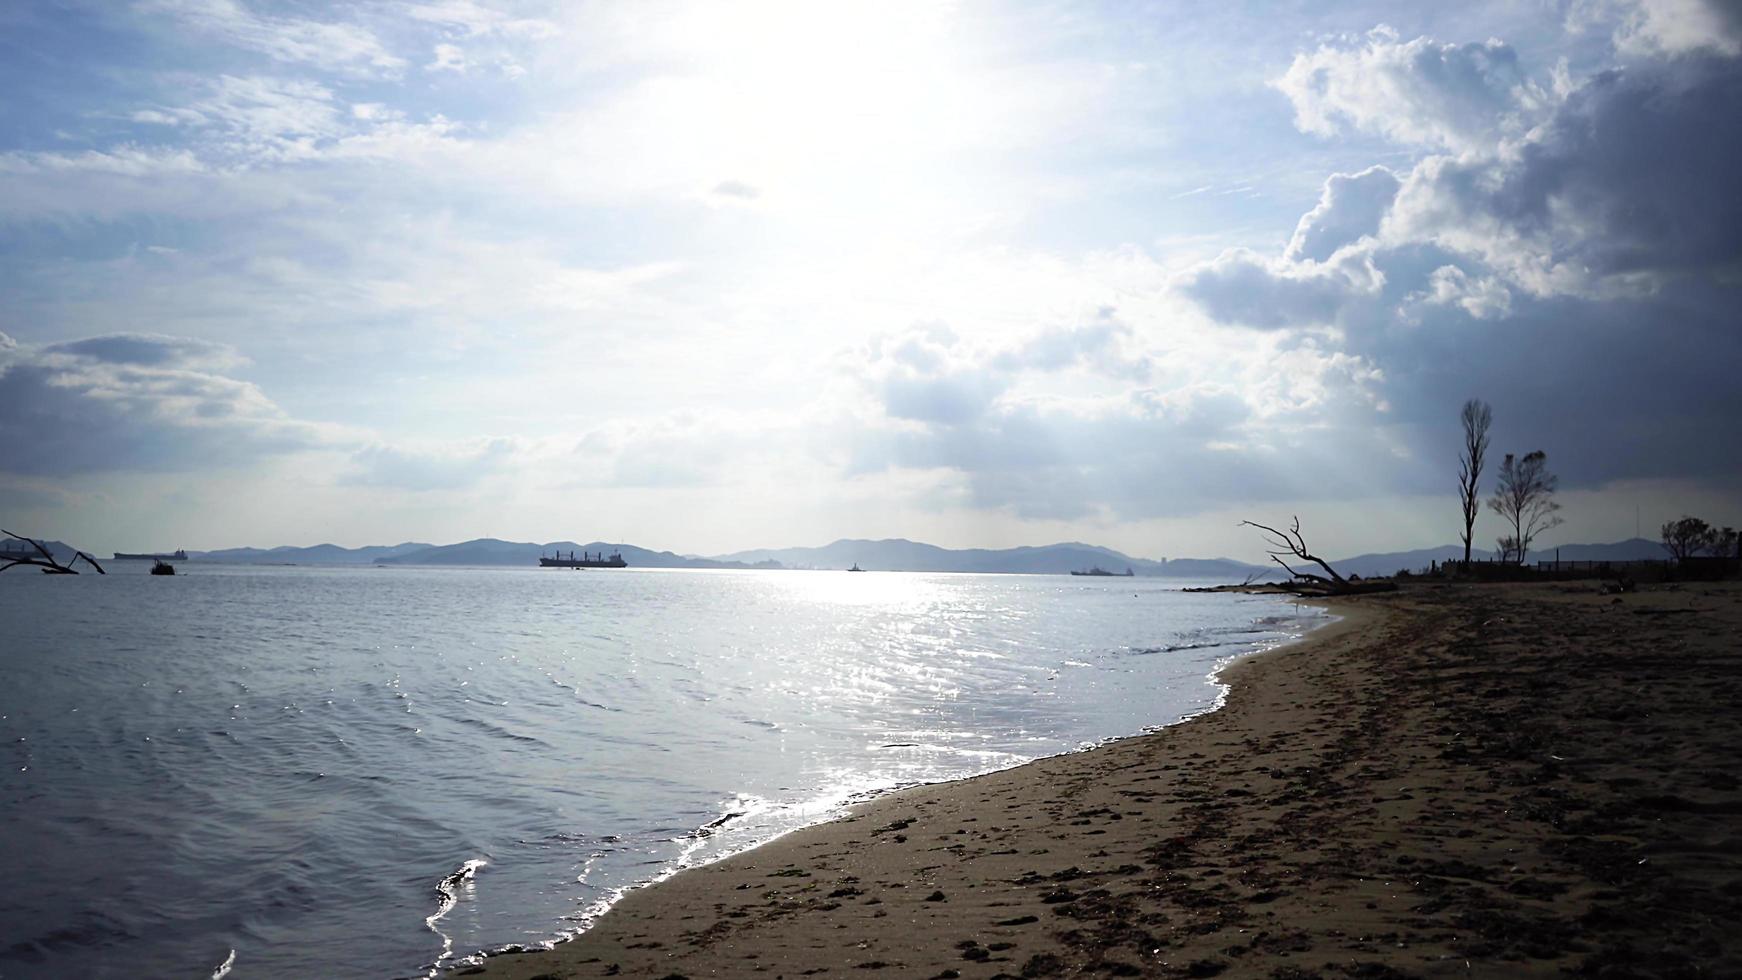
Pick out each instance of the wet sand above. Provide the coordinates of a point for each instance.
(1455, 781)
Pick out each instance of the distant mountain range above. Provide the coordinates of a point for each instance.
(62, 551)
(899, 554)
(1391, 562)
(492, 551)
(892, 554)
(320, 554)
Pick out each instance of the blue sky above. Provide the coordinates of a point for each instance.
(716, 276)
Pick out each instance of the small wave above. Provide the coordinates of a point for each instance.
(1177, 647)
(448, 895)
(225, 967)
(707, 829)
(500, 732)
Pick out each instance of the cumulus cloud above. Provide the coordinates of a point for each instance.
(1616, 190)
(1481, 298)
(1105, 345)
(924, 378)
(1679, 27)
(137, 402)
(1554, 268)
(1017, 437)
(930, 375)
(1624, 186)
(1350, 209)
(1242, 287)
(1143, 454)
(1453, 96)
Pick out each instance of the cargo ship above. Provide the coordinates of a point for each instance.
(587, 560)
(1099, 571)
(177, 555)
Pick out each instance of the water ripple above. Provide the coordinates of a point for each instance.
(273, 762)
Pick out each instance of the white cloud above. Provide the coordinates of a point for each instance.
(1104, 346)
(1482, 298)
(1351, 208)
(448, 57)
(1538, 266)
(1038, 427)
(1242, 287)
(1679, 27)
(1615, 193)
(137, 402)
(325, 44)
(1453, 96)
(125, 161)
(264, 116)
(474, 19)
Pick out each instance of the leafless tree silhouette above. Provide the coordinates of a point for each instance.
(1290, 543)
(1476, 416)
(47, 560)
(1525, 498)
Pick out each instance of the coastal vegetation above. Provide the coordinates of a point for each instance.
(1689, 537)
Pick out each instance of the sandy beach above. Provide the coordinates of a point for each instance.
(1453, 781)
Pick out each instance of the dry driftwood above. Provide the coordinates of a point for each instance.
(47, 561)
(1290, 543)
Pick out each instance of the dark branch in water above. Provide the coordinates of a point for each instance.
(47, 562)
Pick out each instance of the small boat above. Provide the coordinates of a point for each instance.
(855, 568)
(162, 568)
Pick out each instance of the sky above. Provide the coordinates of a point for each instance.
(707, 277)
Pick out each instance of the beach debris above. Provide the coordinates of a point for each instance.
(1290, 543)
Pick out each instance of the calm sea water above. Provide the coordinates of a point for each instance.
(371, 772)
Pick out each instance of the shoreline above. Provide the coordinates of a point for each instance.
(1309, 626)
(1354, 804)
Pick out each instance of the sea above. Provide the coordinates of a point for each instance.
(378, 772)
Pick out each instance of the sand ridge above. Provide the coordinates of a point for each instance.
(1472, 781)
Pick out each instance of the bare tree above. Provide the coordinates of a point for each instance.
(1290, 542)
(1687, 537)
(1476, 416)
(47, 561)
(1525, 498)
